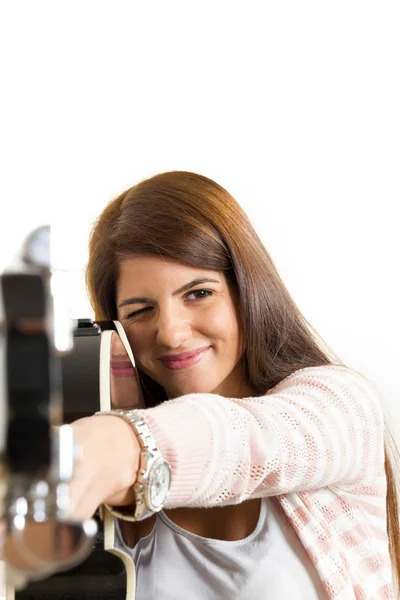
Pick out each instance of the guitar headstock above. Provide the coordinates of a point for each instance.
(37, 448)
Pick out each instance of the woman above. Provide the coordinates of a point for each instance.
(279, 467)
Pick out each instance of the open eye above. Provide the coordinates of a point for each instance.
(200, 294)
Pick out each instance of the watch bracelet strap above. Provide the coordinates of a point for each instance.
(146, 442)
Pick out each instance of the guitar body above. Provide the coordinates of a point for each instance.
(97, 375)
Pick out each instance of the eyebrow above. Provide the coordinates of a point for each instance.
(184, 288)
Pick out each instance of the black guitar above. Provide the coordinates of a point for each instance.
(98, 374)
(43, 387)
(36, 448)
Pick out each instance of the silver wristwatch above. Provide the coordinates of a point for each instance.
(154, 475)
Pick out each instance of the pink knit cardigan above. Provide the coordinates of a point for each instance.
(316, 443)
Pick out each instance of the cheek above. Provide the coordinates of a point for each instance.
(222, 324)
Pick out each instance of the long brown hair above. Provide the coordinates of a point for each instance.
(190, 218)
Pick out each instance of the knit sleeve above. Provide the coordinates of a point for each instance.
(321, 426)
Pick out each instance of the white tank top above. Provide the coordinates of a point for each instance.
(271, 563)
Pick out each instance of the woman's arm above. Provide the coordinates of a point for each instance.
(322, 426)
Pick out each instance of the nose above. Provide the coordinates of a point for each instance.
(173, 328)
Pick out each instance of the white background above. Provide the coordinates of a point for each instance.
(292, 106)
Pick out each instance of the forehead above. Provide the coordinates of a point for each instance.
(153, 272)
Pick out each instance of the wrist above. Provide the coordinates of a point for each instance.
(153, 473)
(126, 460)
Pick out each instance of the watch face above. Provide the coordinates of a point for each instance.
(159, 484)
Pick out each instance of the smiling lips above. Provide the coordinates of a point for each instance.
(187, 359)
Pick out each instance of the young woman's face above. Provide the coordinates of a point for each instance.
(168, 308)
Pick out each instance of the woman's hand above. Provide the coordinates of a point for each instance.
(106, 467)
